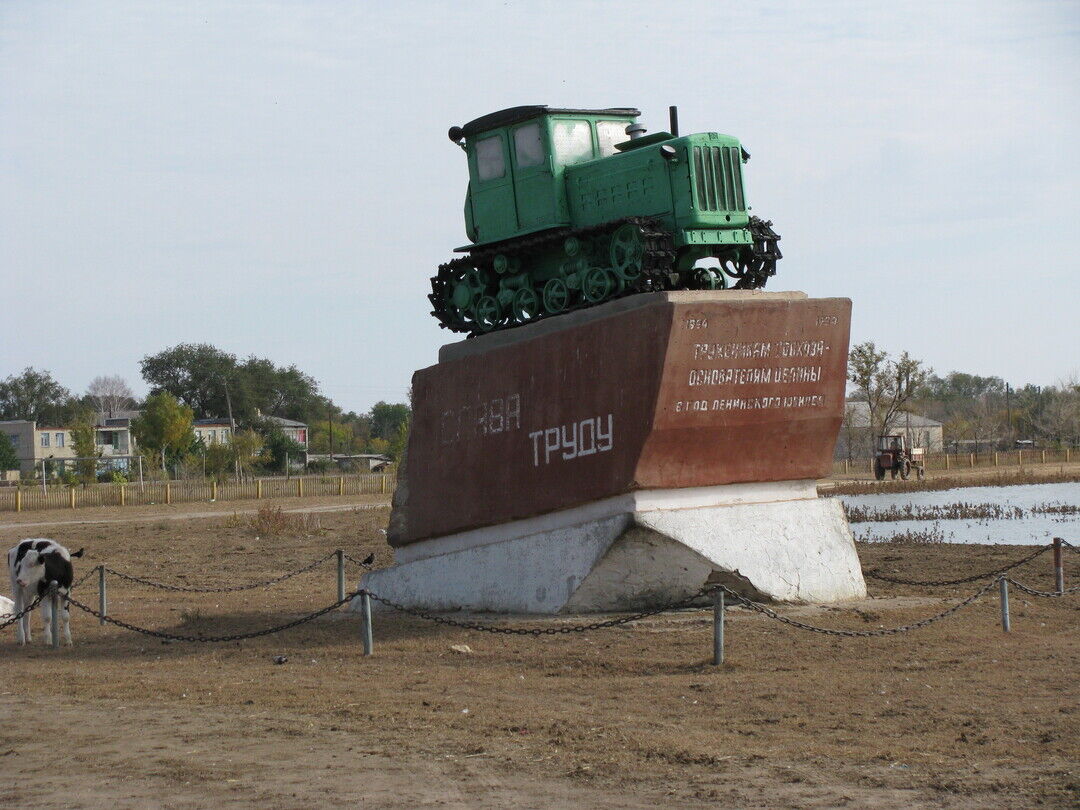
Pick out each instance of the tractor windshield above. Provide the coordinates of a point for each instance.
(572, 141)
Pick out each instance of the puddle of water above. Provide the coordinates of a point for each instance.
(1032, 529)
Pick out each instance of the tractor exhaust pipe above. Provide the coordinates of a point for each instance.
(673, 116)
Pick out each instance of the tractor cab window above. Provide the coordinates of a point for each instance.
(489, 158)
(528, 147)
(609, 133)
(572, 141)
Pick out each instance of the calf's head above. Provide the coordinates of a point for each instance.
(30, 570)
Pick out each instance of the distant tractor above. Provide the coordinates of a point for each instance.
(895, 456)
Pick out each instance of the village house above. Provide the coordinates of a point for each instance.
(34, 444)
(856, 439)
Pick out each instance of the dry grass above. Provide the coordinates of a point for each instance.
(955, 715)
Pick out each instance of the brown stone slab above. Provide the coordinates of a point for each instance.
(669, 390)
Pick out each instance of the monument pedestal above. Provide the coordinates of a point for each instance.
(616, 457)
(766, 541)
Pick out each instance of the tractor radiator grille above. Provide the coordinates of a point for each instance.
(718, 177)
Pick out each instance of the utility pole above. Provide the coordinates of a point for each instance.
(232, 428)
(1008, 413)
(330, 418)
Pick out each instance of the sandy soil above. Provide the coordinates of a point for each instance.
(955, 715)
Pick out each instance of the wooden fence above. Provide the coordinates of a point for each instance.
(966, 461)
(57, 496)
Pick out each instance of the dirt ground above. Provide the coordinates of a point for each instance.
(965, 476)
(955, 715)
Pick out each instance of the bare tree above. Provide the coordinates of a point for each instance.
(884, 384)
(110, 394)
(1059, 420)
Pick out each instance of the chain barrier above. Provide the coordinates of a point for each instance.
(355, 561)
(965, 580)
(537, 631)
(84, 577)
(689, 602)
(1048, 594)
(885, 631)
(16, 616)
(213, 639)
(225, 589)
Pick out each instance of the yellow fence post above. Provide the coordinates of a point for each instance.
(18, 499)
(1043, 456)
(341, 485)
(383, 483)
(971, 459)
(1019, 458)
(123, 495)
(213, 490)
(946, 461)
(71, 494)
(168, 492)
(995, 458)
(258, 489)
(300, 486)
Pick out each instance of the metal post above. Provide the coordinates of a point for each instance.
(54, 595)
(365, 614)
(718, 627)
(1004, 604)
(1059, 570)
(340, 574)
(103, 596)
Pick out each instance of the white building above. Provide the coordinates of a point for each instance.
(856, 439)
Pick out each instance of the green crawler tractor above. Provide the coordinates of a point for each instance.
(570, 208)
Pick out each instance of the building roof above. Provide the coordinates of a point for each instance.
(857, 413)
(512, 115)
(280, 420)
(212, 422)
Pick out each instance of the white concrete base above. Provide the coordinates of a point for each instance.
(773, 541)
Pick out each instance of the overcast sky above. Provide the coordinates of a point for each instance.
(274, 178)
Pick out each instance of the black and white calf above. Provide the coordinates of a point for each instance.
(33, 564)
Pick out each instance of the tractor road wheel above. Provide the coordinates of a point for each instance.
(905, 470)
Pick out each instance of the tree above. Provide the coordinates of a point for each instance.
(214, 383)
(1059, 420)
(400, 441)
(85, 446)
(386, 419)
(109, 395)
(196, 375)
(278, 391)
(279, 446)
(164, 427)
(8, 459)
(34, 395)
(883, 383)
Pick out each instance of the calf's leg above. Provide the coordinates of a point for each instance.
(46, 618)
(65, 620)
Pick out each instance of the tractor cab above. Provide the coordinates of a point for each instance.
(516, 161)
(891, 443)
